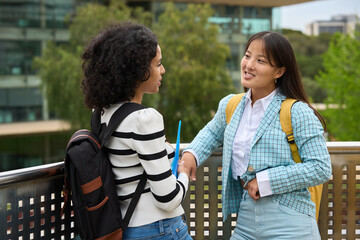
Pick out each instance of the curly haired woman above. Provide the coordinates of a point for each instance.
(121, 64)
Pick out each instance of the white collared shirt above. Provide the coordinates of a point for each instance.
(245, 133)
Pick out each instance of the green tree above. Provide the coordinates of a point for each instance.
(309, 51)
(196, 77)
(60, 65)
(341, 79)
(60, 71)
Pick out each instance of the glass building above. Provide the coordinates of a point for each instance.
(27, 136)
(346, 24)
(237, 22)
(26, 26)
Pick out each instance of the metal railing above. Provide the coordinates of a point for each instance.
(31, 201)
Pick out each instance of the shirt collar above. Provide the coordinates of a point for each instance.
(265, 101)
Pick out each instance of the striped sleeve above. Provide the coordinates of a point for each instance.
(155, 156)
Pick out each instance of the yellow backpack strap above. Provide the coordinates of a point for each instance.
(285, 121)
(231, 106)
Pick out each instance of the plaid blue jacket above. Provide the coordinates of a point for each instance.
(270, 151)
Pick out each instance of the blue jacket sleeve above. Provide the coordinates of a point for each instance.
(212, 135)
(315, 167)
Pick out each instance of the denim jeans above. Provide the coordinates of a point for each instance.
(267, 219)
(166, 229)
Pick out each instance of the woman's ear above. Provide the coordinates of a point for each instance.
(280, 72)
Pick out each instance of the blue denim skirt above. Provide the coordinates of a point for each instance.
(166, 229)
(267, 219)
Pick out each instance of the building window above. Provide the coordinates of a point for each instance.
(35, 13)
(20, 13)
(227, 18)
(256, 20)
(20, 104)
(252, 26)
(276, 20)
(56, 12)
(233, 63)
(16, 57)
(331, 29)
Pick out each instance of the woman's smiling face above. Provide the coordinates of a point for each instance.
(257, 71)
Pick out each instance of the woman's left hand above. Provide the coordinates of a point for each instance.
(253, 189)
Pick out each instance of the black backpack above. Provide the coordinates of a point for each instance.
(90, 183)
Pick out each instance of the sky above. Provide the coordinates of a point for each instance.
(298, 15)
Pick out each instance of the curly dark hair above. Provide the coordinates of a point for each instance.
(116, 62)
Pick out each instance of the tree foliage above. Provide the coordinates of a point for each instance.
(195, 80)
(341, 79)
(60, 65)
(196, 77)
(309, 51)
(60, 71)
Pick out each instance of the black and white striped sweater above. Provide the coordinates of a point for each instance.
(139, 144)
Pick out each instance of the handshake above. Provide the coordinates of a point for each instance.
(187, 165)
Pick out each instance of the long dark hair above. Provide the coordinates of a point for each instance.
(116, 62)
(281, 54)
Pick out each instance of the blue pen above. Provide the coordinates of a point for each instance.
(175, 162)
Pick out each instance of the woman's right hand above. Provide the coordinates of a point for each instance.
(189, 162)
(253, 189)
(183, 169)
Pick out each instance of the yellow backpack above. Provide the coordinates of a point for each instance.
(285, 121)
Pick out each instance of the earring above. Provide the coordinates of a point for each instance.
(275, 81)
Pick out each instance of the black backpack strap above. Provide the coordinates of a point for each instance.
(134, 201)
(96, 121)
(119, 115)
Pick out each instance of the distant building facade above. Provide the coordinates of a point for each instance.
(346, 24)
(26, 26)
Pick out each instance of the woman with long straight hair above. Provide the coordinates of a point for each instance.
(261, 182)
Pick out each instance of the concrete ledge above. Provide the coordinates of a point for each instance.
(30, 128)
